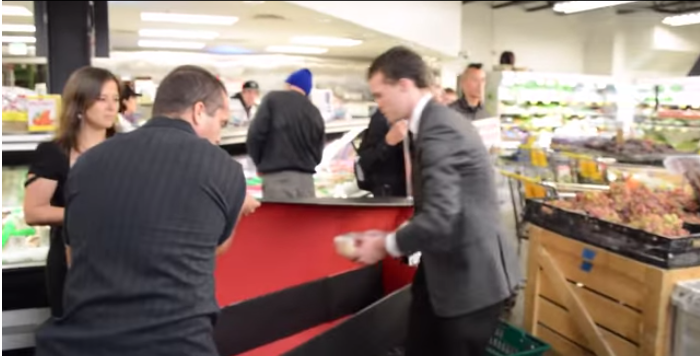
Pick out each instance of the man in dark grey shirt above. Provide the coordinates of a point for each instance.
(146, 214)
(472, 83)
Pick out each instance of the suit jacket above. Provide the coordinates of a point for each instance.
(469, 264)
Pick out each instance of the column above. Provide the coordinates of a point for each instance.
(67, 38)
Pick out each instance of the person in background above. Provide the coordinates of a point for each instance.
(243, 103)
(286, 140)
(128, 120)
(472, 82)
(449, 96)
(507, 59)
(141, 280)
(381, 157)
(89, 105)
(467, 268)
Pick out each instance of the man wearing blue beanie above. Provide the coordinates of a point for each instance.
(286, 138)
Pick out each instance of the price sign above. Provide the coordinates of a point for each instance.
(490, 131)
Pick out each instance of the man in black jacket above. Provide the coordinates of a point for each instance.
(381, 157)
(471, 104)
(286, 139)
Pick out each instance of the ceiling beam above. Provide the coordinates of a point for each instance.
(509, 3)
(549, 5)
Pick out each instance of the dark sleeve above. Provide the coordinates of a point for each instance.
(235, 194)
(320, 135)
(432, 225)
(373, 149)
(49, 162)
(258, 131)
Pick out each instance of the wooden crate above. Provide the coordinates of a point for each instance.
(584, 300)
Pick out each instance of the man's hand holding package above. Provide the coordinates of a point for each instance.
(370, 247)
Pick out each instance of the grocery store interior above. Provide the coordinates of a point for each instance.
(591, 117)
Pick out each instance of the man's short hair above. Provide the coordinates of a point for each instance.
(401, 63)
(474, 66)
(450, 91)
(185, 86)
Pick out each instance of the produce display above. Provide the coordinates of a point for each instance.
(659, 211)
(629, 147)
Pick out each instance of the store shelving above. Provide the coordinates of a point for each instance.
(534, 102)
(235, 136)
(668, 110)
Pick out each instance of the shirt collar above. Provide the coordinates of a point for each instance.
(170, 123)
(465, 105)
(414, 123)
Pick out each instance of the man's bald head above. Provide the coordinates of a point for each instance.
(472, 81)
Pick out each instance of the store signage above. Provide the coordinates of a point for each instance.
(490, 131)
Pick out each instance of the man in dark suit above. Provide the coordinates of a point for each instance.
(467, 269)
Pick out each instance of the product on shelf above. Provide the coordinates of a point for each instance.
(658, 211)
(628, 147)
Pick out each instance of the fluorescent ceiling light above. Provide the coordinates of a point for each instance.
(682, 20)
(185, 34)
(325, 41)
(187, 18)
(18, 39)
(571, 7)
(296, 49)
(11, 10)
(18, 28)
(171, 44)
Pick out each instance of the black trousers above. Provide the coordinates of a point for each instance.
(431, 335)
(56, 269)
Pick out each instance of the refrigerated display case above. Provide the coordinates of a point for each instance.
(335, 175)
(534, 102)
(670, 111)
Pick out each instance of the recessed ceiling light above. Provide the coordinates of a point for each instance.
(188, 18)
(325, 41)
(570, 7)
(18, 28)
(18, 39)
(296, 49)
(682, 20)
(186, 34)
(228, 50)
(11, 10)
(171, 44)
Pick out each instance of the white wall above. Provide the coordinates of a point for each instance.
(431, 24)
(540, 40)
(596, 42)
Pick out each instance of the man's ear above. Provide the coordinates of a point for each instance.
(197, 113)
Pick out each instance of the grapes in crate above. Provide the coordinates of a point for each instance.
(659, 211)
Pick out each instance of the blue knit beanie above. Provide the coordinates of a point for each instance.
(301, 79)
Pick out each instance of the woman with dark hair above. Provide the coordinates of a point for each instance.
(127, 108)
(88, 113)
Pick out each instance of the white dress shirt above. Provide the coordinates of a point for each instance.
(413, 124)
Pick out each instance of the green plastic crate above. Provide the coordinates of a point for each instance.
(511, 341)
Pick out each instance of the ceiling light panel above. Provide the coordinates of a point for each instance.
(682, 20)
(11, 10)
(571, 7)
(188, 18)
(296, 49)
(325, 41)
(18, 39)
(18, 28)
(183, 34)
(171, 44)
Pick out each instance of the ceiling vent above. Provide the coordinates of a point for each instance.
(268, 17)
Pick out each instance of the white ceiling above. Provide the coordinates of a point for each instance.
(260, 24)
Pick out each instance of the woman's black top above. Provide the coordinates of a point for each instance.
(53, 163)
